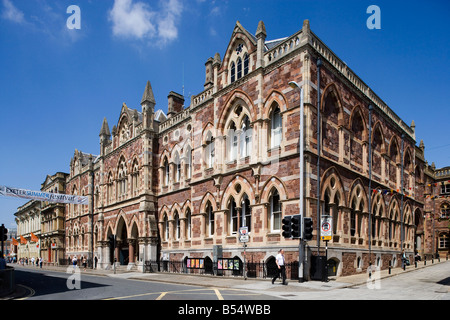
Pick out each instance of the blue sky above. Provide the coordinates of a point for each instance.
(57, 84)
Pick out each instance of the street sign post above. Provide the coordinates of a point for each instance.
(326, 228)
(243, 237)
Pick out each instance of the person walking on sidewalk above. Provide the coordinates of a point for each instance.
(281, 267)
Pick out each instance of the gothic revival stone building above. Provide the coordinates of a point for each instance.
(175, 186)
(122, 222)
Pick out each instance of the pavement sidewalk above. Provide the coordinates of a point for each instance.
(233, 282)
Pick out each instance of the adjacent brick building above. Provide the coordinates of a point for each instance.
(177, 186)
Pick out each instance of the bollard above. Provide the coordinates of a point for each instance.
(424, 259)
(389, 267)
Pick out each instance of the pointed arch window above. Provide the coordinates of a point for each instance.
(353, 219)
(177, 225)
(166, 228)
(135, 178)
(210, 217)
(188, 224)
(233, 72)
(233, 217)
(239, 68)
(232, 142)
(178, 167)
(210, 151)
(275, 127)
(188, 165)
(109, 189)
(246, 138)
(122, 179)
(246, 213)
(246, 64)
(275, 211)
(166, 172)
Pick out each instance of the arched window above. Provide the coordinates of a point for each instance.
(210, 150)
(188, 163)
(246, 138)
(233, 72)
(187, 225)
(233, 217)
(232, 142)
(166, 172)
(122, 179)
(177, 225)
(239, 68)
(178, 167)
(166, 228)
(275, 127)
(210, 219)
(109, 189)
(246, 213)
(246, 64)
(275, 212)
(353, 219)
(135, 178)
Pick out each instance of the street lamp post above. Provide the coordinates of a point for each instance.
(301, 251)
(319, 65)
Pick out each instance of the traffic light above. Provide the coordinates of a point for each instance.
(308, 228)
(287, 227)
(3, 233)
(296, 225)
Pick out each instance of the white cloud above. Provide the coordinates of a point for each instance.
(10, 12)
(136, 20)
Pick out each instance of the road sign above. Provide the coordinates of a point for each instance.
(243, 234)
(326, 228)
(244, 238)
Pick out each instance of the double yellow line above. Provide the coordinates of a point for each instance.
(163, 294)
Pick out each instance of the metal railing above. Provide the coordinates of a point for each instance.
(255, 270)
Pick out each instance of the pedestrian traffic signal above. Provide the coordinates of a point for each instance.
(287, 227)
(296, 226)
(308, 228)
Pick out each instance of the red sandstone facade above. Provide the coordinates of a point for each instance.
(175, 187)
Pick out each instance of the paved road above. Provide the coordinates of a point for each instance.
(53, 285)
(431, 283)
(427, 283)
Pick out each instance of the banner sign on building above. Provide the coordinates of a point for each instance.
(43, 196)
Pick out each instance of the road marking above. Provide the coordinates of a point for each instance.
(161, 296)
(32, 292)
(219, 296)
(133, 296)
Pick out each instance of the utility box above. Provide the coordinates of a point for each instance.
(318, 268)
